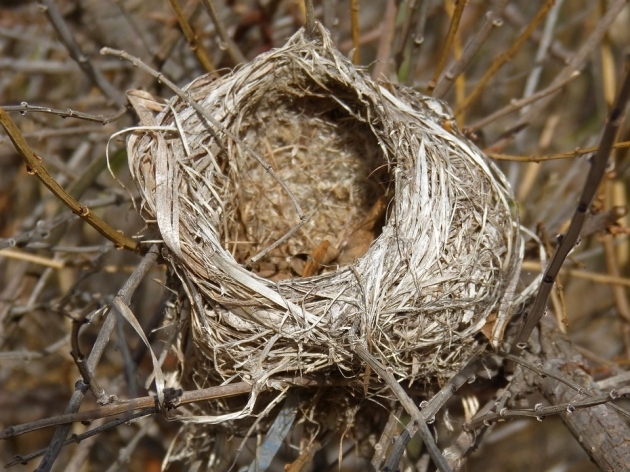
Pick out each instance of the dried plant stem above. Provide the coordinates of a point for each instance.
(501, 60)
(550, 157)
(603, 435)
(35, 167)
(492, 20)
(416, 43)
(384, 50)
(33, 258)
(450, 37)
(518, 104)
(56, 19)
(148, 405)
(516, 18)
(608, 279)
(80, 438)
(354, 22)
(233, 50)
(94, 357)
(544, 411)
(408, 404)
(387, 438)
(431, 408)
(577, 61)
(310, 18)
(594, 178)
(67, 113)
(191, 37)
(543, 48)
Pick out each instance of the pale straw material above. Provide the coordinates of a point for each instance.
(299, 148)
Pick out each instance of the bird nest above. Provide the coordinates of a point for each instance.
(307, 208)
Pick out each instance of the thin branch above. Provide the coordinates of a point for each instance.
(94, 357)
(450, 37)
(417, 39)
(603, 435)
(581, 274)
(550, 157)
(354, 26)
(56, 19)
(383, 53)
(24, 108)
(596, 173)
(502, 59)
(407, 403)
(174, 398)
(310, 18)
(518, 104)
(516, 18)
(492, 20)
(233, 50)
(430, 409)
(540, 412)
(77, 438)
(191, 38)
(578, 60)
(35, 167)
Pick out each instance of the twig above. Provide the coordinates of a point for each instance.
(517, 104)
(505, 57)
(550, 157)
(408, 404)
(34, 167)
(603, 435)
(387, 438)
(543, 48)
(430, 409)
(233, 50)
(24, 108)
(516, 18)
(79, 358)
(540, 412)
(310, 18)
(578, 60)
(595, 175)
(191, 38)
(492, 20)
(77, 438)
(35, 259)
(56, 19)
(417, 40)
(383, 53)
(148, 403)
(354, 26)
(94, 357)
(581, 274)
(450, 37)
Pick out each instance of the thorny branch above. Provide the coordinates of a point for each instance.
(94, 357)
(35, 167)
(599, 163)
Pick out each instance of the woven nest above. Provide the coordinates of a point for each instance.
(311, 209)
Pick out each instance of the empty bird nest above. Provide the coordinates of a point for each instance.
(307, 209)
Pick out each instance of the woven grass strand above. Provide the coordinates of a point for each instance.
(418, 294)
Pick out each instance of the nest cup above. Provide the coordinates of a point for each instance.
(311, 208)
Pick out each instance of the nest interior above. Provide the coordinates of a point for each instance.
(332, 165)
(310, 208)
